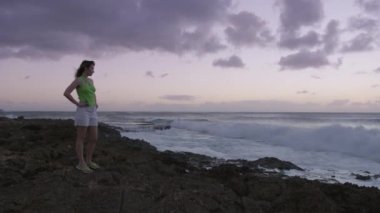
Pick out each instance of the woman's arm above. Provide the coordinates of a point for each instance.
(96, 102)
(70, 89)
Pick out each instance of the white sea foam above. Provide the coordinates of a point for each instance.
(325, 166)
(329, 146)
(356, 141)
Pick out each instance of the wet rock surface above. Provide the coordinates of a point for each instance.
(37, 174)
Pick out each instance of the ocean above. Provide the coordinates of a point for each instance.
(331, 147)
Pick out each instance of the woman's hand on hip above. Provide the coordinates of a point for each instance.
(82, 105)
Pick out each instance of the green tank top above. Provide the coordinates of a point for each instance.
(86, 92)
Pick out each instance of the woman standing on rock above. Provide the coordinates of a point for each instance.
(86, 119)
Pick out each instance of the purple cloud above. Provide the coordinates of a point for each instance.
(362, 23)
(302, 92)
(329, 40)
(232, 62)
(298, 13)
(56, 28)
(178, 97)
(371, 6)
(197, 40)
(362, 42)
(304, 59)
(312, 47)
(247, 29)
(149, 74)
(339, 102)
(310, 39)
(331, 37)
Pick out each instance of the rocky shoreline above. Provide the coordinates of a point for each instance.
(37, 174)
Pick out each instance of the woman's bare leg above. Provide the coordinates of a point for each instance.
(93, 138)
(81, 135)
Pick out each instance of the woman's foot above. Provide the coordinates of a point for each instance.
(93, 165)
(84, 168)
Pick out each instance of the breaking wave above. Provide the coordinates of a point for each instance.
(356, 141)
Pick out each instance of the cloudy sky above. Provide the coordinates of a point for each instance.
(194, 55)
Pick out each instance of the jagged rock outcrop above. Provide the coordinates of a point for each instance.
(37, 174)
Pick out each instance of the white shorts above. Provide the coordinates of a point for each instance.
(86, 116)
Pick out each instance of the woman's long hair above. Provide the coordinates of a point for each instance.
(85, 64)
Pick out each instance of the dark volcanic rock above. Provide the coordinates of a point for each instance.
(362, 177)
(37, 174)
(274, 163)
